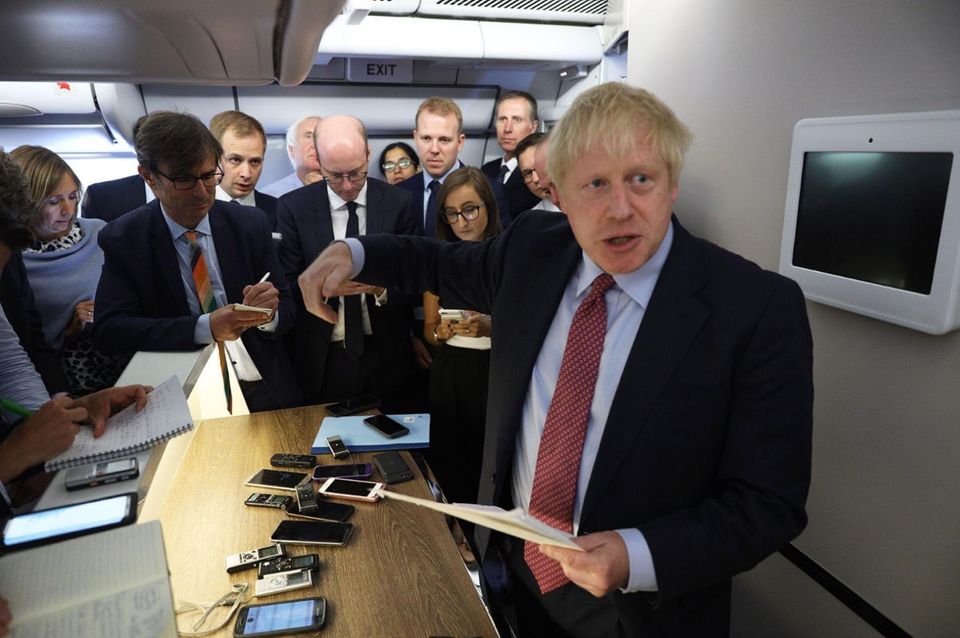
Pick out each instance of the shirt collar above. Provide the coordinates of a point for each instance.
(427, 177)
(337, 202)
(177, 231)
(511, 163)
(247, 200)
(638, 284)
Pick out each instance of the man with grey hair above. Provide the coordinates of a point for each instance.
(303, 157)
(368, 348)
(650, 393)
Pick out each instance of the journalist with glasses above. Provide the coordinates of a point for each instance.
(467, 211)
(398, 161)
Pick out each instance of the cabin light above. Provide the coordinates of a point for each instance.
(573, 72)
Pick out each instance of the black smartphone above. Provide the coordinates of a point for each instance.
(312, 533)
(276, 479)
(354, 405)
(392, 467)
(69, 521)
(386, 426)
(280, 619)
(324, 511)
(353, 470)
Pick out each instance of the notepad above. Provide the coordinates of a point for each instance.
(359, 437)
(114, 583)
(513, 522)
(128, 431)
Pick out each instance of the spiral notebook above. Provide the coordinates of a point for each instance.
(129, 431)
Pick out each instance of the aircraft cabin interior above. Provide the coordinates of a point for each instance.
(880, 554)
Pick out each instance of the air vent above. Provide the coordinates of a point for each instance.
(575, 11)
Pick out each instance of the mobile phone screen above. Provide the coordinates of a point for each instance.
(325, 511)
(72, 520)
(312, 533)
(282, 617)
(386, 426)
(351, 488)
(354, 470)
(277, 478)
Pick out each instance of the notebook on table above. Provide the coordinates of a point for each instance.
(359, 437)
(128, 431)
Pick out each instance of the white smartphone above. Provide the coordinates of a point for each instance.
(356, 490)
(453, 316)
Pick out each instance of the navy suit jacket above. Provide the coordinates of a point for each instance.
(707, 446)
(414, 186)
(518, 196)
(109, 200)
(303, 217)
(142, 304)
(268, 204)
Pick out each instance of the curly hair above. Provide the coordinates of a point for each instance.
(16, 205)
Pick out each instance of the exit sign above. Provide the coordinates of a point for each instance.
(374, 70)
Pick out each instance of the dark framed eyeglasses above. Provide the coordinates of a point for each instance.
(338, 178)
(405, 163)
(528, 175)
(187, 183)
(469, 212)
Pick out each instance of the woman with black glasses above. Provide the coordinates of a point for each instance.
(398, 162)
(467, 211)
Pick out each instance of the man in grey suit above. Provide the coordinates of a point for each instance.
(368, 348)
(650, 392)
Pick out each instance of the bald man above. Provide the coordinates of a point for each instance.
(303, 157)
(368, 350)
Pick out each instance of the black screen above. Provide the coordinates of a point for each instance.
(873, 217)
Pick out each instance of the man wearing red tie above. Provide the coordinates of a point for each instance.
(651, 393)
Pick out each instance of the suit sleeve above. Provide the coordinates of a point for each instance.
(764, 470)
(120, 324)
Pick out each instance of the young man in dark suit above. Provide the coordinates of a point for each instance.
(374, 355)
(244, 144)
(174, 269)
(515, 119)
(651, 393)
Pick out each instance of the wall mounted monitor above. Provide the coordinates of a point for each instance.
(872, 219)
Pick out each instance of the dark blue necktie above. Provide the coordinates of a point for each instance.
(430, 223)
(503, 173)
(352, 320)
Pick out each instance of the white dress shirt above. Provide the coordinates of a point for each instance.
(247, 200)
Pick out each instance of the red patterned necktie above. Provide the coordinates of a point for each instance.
(561, 444)
(208, 303)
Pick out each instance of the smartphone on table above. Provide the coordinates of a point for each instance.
(351, 470)
(351, 489)
(280, 619)
(312, 533)
(354, 405)
(386, 426)
(324, 511)
(276, 479)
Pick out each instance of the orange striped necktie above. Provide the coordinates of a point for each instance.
(208, 303)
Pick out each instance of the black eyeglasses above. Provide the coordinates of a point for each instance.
(389, 166)
(350, 177)
(470, 212)
(528, 175)
(187, 183)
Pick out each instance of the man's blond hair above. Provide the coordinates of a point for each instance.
(611, 117)
(440, 106)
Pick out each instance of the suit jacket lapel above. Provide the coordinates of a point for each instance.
(549, 284)
(226, 244)
(374, 206)
(166, 257)
(670, 324)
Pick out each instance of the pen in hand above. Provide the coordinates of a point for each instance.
(264, 278)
